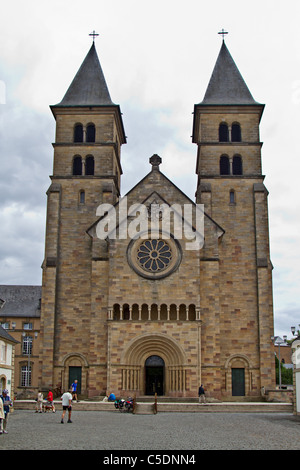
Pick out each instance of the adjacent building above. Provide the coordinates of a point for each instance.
(7, 361)
(20, 312)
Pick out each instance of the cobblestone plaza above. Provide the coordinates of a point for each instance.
(92, 430)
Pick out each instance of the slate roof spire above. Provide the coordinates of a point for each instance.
(226, 85)
(88, 87)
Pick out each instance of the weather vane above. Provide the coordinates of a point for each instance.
(223, 32)
(94, 34)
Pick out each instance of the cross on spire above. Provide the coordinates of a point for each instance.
(223, 32)
(94, 34)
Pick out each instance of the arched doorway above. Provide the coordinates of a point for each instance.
(238, 381)
(2, 383)
(154, 373)
(238, 375)
(75, 368)
(136, 362)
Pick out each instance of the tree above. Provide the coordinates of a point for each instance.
(286, 374)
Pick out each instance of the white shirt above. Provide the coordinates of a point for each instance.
(65, 398)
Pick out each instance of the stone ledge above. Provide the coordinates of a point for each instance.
(228, 407)
(148, 408)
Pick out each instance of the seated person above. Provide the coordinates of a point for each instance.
(112, 397)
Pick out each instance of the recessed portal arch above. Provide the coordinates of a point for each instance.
(139, 354)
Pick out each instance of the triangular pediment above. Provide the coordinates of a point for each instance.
(154, 189)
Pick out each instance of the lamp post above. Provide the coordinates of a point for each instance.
(29, 352)
(279, 342)
(293, 330)
(296, 346)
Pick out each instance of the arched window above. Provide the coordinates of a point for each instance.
(77, 165)
(90, 133)
(82, 197)
(89, 165)
(126, 312)
(232, 196)
(237, 167)
(116, 312)
(78, 133)
(236, 135)
(224, 165)
(223, 133)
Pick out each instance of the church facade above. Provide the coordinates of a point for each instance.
(148, 314)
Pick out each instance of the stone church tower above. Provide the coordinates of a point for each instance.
(139, 315)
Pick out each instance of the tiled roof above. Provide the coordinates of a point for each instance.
(20, 301)
(88, 86)
(226, 85)
(6, 336)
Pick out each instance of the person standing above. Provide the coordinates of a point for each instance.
(6, 404)
(74, 389)
(39, 403)
(201, 394)
(67, 405)
(1, 416)
(50, 400)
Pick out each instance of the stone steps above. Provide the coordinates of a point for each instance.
(166, 399)
(169, 407)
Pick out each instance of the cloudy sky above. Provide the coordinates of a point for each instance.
(157, 58)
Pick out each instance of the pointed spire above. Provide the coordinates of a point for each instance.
(226, 85)
(88, 87)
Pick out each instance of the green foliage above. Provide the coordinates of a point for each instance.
(286, 374)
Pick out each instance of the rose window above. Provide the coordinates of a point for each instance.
(154, 258)
(154, 255)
